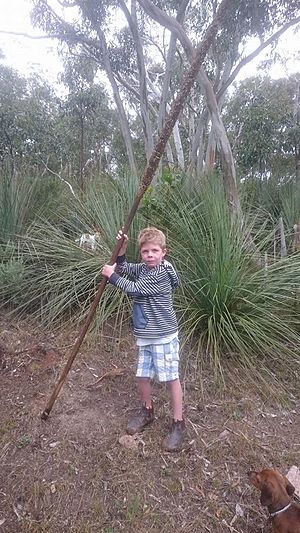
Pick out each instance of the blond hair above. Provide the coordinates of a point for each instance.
(152, 235)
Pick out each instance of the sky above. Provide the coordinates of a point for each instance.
(29, 55)
(21, 53)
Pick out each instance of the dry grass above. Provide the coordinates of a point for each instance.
(71, 474)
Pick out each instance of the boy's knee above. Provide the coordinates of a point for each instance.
(172, 382)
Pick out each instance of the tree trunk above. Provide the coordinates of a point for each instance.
(144, 105)
(219, 139)
(122, 115)
(296, 238)
(196, 156)
(163, 108)
(169, 64)
(81, 153)
(283, 250)
(223, 144)
(297, 125)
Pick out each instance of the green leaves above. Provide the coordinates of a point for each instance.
(261, 123)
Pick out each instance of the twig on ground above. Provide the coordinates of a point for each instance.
(90, 369)
(110, 374)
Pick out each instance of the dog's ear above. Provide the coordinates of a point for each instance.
(255, 478)
(289, 487)
(266, 495)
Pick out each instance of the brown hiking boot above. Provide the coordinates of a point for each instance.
(142, 418)
(174, 439)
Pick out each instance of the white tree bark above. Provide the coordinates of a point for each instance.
(144, 105)
(196, 156)
(176, 134)
(216, 120)
(123, 119)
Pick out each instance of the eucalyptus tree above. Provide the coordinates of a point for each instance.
(13, 92)
(88, 32)
(123, 60)
(243, 20)
(27, 119)
(41, 120)
(88, 120)
(262, 118)
(144, 83)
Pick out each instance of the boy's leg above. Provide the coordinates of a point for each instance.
(174, 439)
(176, 398)
(145, 415)
(167, 368)
(144, 388)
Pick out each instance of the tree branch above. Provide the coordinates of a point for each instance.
(255, 53)
(65, 3)
(59, 177)
(144, 104)
(21, 34)
(170, 23)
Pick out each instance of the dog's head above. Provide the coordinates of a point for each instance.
(273, 485)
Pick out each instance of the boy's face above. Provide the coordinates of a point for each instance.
(152, 254)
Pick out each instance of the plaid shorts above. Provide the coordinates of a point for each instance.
(161, 360)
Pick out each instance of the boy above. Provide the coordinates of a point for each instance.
(155, 327)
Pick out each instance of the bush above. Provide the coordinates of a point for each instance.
(229, 305)
(12, 272)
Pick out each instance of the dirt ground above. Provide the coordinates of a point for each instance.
(76, 472)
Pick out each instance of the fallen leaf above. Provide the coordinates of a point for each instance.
(238, 510)
(224, 435)
(54, 444)
(128, 442)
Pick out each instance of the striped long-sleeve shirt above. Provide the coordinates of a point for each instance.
(152, 291)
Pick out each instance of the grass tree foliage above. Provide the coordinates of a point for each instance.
(230, 308)
(273, 199)
(23, 200)
(57, 278)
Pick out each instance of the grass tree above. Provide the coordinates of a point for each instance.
(230, 308)
(58, 279)
(232, 311)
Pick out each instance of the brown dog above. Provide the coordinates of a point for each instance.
(276, 492)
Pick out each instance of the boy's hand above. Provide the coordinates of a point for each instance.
(123, 248)
(108, 270)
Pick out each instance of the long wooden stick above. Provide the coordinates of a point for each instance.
(149, 172)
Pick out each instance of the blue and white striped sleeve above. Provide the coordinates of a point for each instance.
(123, 267)
(145, 286)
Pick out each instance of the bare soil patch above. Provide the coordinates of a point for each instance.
(72, 474)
